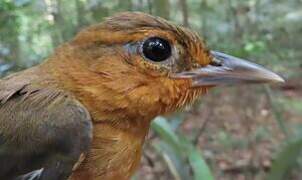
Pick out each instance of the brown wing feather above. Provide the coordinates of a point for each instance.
(40, 127)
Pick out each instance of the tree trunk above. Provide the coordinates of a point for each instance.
(185, 13)
(150, 7)
(9, 36)
(99, 12)
(203, 16)
(162, 8)
(57, 35)
(81, 21)
(234, 18)
(125, 5)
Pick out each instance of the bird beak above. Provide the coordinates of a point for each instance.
(225, 69)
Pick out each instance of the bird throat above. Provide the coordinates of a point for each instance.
(117, 137)
(109, 148)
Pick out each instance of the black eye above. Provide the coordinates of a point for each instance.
(156, 49)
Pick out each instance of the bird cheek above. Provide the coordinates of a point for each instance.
(145, 101)
(186, 94)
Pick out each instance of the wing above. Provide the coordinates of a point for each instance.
(43, 132)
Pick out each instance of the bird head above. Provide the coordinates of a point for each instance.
(137, 65)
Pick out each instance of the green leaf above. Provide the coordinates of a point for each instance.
(197, 162)
(183, 149)
(286, 159)
(163, 129)
(176, 164)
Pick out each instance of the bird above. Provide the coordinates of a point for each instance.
(85, 111)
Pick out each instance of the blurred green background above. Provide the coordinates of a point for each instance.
(244, 133)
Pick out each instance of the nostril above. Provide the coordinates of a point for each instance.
(216, 62)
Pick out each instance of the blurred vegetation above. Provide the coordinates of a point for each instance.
(266, 31)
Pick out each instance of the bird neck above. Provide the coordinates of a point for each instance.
(120, 126)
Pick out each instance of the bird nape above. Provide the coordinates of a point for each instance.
(84, 113)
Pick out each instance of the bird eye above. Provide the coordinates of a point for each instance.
(156, 49)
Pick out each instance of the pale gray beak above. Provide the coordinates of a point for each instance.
(226, 69)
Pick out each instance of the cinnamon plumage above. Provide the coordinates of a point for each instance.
(85, 112)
